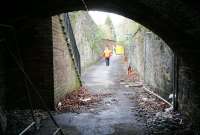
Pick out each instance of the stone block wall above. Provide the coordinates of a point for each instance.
(158, 65)
(153, 60)
(87, 35)
(136, 53)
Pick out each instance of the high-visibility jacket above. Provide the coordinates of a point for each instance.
(107, 53)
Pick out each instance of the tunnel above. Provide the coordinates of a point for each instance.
(25, 22)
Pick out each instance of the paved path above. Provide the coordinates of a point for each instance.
(114, 115)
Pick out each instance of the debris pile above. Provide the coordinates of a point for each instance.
(131, 79)
(77, 99)
(132, 75)
(169, 123)
(160, 117)
(151, 104)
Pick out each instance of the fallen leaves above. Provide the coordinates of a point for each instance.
(77, 99)
(151, 104)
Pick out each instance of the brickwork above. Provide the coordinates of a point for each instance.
(34, 39)
(46, 60)
(65, 78)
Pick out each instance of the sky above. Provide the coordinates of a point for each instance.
(99, 17)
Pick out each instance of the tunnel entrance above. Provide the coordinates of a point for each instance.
(175, 22)
(111, 85)
(107, 79)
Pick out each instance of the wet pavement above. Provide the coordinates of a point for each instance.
(113, 115)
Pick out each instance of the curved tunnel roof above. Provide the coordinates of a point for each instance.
(176, 21)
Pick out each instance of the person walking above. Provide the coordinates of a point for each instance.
(107, 54)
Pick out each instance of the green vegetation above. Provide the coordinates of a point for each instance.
(99, 35)
(109, 29)
(122, 43)
(126, 30)
(74, 17)
(90, 32)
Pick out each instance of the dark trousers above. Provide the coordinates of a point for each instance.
(107, 61)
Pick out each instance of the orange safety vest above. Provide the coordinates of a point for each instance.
(107, 53)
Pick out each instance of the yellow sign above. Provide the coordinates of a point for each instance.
(119, 49)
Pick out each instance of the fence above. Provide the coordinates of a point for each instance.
(70, 34)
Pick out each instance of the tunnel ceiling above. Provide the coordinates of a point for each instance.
(176, 21)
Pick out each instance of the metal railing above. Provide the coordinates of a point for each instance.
(70, 34)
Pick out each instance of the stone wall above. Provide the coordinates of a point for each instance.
(87, 35)
(158, 72)
(158, 65)
(152, 59)
(136, 53)
(65, 77)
